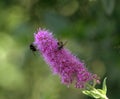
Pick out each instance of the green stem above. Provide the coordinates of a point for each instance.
(93, 91)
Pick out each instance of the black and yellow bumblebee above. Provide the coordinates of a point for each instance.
(61, 44)
(32, 47)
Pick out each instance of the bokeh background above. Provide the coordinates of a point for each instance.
(92, 29)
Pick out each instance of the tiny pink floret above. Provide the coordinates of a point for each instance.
(62, 62)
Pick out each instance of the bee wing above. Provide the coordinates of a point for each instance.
(65, 43)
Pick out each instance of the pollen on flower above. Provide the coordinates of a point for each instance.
(62, 62)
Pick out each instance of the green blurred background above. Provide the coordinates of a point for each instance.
(91, 28)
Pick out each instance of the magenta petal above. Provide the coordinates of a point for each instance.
(62, 62)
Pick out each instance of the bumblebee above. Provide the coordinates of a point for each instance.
(61, 44)
(32, 47)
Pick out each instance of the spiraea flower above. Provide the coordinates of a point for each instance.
(61, 60)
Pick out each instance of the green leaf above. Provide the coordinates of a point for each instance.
(91, 93)
(86, 92)
(104, 87)
(95, 94)
(101, 91)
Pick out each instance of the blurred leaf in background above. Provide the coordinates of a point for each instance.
(91, 28)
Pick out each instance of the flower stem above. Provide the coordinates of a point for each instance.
(96, 93)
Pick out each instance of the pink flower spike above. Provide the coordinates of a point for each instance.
(61, 61)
